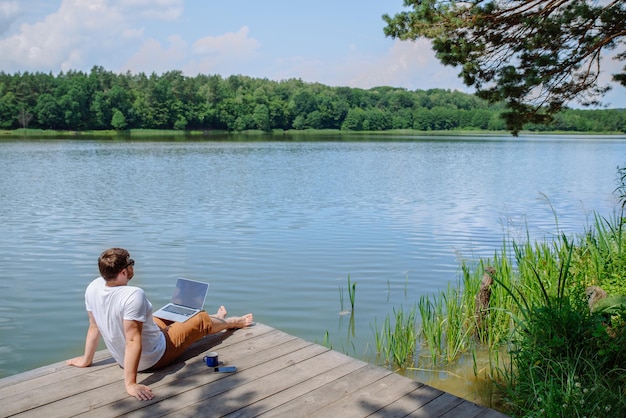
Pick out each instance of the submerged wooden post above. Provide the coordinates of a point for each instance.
(482, 302)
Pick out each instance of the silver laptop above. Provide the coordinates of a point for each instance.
(187, 300)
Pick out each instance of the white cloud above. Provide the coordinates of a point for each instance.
(225, 54)
(132, 33)
(235, 44)
(153, 57)
(153, 9)
(80, 34)
(409, 64)
(309, 69)
(63, 40)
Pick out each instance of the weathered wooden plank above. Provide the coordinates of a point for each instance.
(278, 375)
(310, 403)
(266, 386)
(297, 390)
(465, 409)
(41, 376)
(214, 391)
(167, 392)
(112, 391)
(56, 373)
(37, 397)
(438, 406)
(370, 398)
(408, 404)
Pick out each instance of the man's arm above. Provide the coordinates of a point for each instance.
(132, 332)
(91, 344)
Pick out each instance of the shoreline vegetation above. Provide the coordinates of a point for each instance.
(542, 323)
(277, 134)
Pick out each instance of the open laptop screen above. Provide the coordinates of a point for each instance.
(189, 293)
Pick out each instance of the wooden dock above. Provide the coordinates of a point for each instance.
(278, 375)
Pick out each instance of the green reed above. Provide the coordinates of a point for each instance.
(351, 292)
(341, 298)
(396, 344)
(445, 325)
(543, 345)
(525, 274)
(351, 295)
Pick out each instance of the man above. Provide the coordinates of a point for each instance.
(122, 315)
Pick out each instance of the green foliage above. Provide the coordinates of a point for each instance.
(535, 56)
(445, 325)
(351, 293)
(565, 363)
(601, 258)
(172, 101)
(396, 345)
(118, 121)
(621, 188)
(565, 359)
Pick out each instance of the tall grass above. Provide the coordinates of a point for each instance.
(444, 325)
(548, 352)
(351, 293)
(396, 343)
(540, 319)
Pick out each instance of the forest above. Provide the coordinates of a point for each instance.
(104, 100)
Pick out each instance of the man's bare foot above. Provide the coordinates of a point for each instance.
(221, 312)
(240, 321)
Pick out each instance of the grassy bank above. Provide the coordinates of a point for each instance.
(549, 348)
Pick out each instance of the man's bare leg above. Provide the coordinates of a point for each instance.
(220, 322)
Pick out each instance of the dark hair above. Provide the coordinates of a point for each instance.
(112, 261)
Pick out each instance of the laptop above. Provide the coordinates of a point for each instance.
(187, 300)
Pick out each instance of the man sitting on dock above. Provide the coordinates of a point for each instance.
(122, 315)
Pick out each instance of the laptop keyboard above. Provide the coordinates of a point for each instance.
(179, 310)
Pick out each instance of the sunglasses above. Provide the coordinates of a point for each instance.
(131, 262)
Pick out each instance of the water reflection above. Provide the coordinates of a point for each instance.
(275, 227)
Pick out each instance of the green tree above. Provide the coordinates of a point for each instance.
(480, 119)
(402, 119)
(299, 123)
(48, 112)
(8, 110)
(534, 55)
(354, 120)
(118, 121)
(261, 117)
(314, 120)
(376, 120)
(444, 118)
(423, 120)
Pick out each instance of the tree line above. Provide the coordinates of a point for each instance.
(103, 100)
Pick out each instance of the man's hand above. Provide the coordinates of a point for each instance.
(78, 362)
(141, 392)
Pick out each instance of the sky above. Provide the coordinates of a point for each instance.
(336, 43)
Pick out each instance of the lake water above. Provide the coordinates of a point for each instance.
(275, 227)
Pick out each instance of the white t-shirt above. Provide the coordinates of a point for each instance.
(110, 306)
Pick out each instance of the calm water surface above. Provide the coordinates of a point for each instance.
(275, 227)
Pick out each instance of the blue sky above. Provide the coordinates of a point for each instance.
(337, 43)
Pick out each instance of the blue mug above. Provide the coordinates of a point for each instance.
(210, 359)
